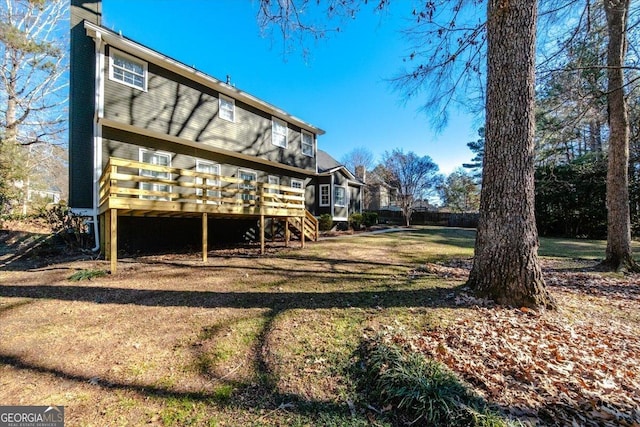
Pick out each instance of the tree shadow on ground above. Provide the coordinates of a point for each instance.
(262, 391)
(276, 300)
(261, 394)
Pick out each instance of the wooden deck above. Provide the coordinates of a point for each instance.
(140, 189)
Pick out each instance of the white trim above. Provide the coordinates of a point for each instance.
(277, 182)
(145, 74)
(192, 74)
(241, 186)
(276, 121)
(313, 144)
(154, 187)
(233, 109)
(98, 113)
(346, 197)
(296, 180)
(214, 182)
(328, 187)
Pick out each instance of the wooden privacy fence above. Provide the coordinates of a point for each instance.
(129, 187)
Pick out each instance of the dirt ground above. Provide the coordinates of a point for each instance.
(269, 340)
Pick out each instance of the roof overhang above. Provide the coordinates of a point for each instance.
(350, 177)
(127, 45)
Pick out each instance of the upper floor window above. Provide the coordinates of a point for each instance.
(128, 70)
(307, 143)
(279, 133)
(227, 108)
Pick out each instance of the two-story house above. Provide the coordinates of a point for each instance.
(158, 149)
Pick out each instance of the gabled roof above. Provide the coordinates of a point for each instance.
(98, 32)
(328, 165)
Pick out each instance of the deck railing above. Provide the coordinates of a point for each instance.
(133, 185)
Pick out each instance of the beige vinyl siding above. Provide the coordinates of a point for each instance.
(177, 106)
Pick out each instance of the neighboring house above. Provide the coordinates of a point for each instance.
(339, 192)
(153, 138)
(379, 194)
(33, 197)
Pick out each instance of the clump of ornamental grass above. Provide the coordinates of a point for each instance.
(87, 275)
(415, 390)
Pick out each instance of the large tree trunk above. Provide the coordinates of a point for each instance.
(506, 266)
(618, 254)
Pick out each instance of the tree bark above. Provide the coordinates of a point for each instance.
(618, 253)
(506, 267)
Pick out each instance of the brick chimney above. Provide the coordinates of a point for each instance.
(361, 173)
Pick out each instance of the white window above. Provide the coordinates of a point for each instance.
(339, 196)
(159, 159)
(297, 183)
(307, 143)
(279, 133)
(247, 175)
(227, 108)
(213, 169)
(324, 195)
(128, 70)
(274, 180)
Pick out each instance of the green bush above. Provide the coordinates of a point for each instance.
(355, 221)
(369, 218)
(420, 390)
(571, 198)
(325, 222)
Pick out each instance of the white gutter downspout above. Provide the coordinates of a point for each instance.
(97, 135)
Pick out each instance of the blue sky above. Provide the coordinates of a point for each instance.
(341, 86)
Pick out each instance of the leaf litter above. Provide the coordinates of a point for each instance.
(575, 366)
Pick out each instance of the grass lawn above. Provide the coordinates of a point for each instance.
(257, 340)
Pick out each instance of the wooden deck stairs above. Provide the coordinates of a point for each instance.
(286, 228)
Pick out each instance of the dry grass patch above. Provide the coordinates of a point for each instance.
(243, 339)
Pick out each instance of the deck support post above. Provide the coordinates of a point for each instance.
(261, 234)
(286, 232)
(205, 236)
(111, 241)
(302, 232)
